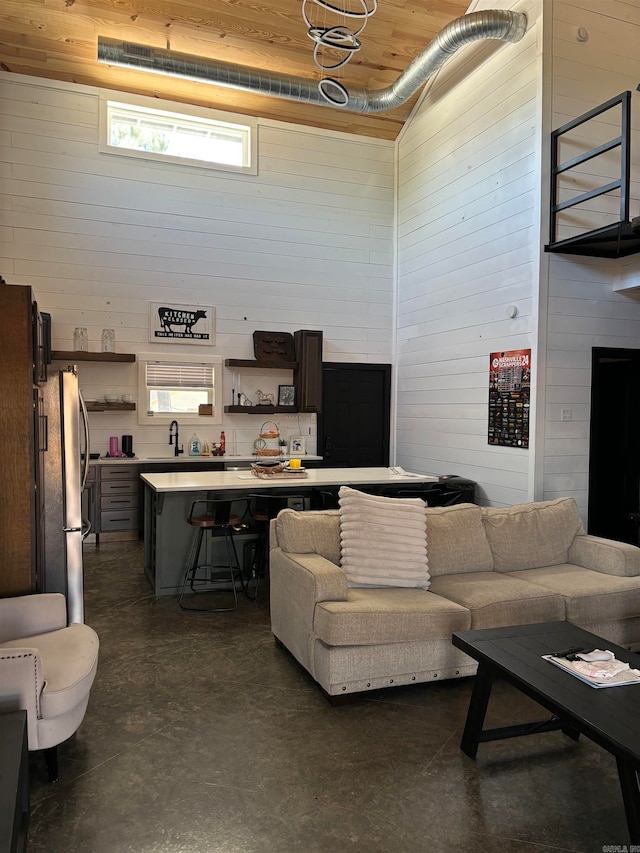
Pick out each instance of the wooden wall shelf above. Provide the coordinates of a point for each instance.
(261, 410)
(83, 355)
(248, 362)
(110, 407)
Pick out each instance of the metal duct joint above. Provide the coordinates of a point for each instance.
(503, 25)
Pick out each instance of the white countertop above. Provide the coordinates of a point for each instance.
(196, 481)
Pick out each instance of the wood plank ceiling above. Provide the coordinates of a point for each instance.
(57, 39)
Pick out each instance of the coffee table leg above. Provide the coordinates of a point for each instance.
(630, 784)
(477, 710)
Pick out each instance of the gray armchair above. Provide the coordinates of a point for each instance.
(46, 668)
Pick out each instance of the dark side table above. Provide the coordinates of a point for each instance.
(14, 782)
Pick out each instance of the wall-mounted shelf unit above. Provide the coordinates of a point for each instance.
(260, 410)
(83, 355)
(110, 407)
(307, 377)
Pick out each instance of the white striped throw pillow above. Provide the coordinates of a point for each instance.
(383, 541)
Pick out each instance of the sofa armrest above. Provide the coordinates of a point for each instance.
(21, 685)
(321, 579)
(605, 555)
(28, 615)
(297, 583)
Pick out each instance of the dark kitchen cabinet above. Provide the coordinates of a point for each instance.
(23, 436)
(110, 498)
(307, 376)
(118, 498)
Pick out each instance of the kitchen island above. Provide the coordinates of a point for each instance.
(168, 498)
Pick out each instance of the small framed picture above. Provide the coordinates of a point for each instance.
(286, 395)
(297, 445)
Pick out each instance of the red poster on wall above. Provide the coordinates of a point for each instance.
(509, 393)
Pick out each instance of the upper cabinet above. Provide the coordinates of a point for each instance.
(307, 376)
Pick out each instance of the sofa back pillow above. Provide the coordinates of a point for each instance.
(310, 533)
(383, 540)
(533, 535)
(457, 541)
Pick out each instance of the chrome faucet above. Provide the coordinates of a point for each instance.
(174, 435)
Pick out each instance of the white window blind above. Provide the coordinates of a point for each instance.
(162, 374)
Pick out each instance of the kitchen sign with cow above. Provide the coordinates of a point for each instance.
(193, 324)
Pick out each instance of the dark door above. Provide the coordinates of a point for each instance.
(614, 454)
(353, 429)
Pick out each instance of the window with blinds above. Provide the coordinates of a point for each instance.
(161, 374)
(179, 387)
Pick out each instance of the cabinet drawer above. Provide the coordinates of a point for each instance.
(119, 487)
(118, 520)
(119, 472)
(123, 501)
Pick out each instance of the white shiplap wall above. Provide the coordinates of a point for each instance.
(587, 303)
(307, 243)
(468, 247)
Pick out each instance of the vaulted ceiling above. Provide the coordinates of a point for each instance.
(57, 39)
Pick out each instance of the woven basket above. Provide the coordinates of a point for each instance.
(277, 472)
(271, 440)
(258, 469)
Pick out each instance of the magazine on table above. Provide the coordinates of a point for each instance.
(598, 668)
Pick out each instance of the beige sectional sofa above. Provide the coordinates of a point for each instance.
(489, 567)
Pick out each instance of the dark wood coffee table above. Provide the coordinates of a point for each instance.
(610, 717)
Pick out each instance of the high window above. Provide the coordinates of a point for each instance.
(192, 136)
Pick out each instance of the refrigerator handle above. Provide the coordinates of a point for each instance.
(86, 528)
(85, 425)
(44, 440)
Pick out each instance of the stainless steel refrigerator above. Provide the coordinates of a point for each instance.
(66, 463)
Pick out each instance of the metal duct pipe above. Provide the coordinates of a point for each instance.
(503, 25)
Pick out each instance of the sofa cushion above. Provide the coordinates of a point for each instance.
(497, 600)
(372, 617)
(527, 536)
(590, 597)
(383, 541)
(310, 533)
(456, 540)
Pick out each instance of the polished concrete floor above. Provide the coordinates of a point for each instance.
(202, 736)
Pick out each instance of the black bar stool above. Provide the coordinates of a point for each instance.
(214, 516)
(265, 507)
